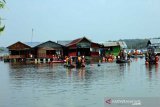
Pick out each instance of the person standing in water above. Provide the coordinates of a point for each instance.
(83, 61)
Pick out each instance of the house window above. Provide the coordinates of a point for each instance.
(58, 52)
(50, 52)
(94, 49)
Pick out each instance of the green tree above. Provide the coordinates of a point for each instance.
(2, 4)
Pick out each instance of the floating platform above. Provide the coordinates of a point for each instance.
(33, 60)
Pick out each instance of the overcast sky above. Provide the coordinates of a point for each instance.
(99, 20)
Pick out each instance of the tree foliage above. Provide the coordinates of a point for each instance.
(2, 4)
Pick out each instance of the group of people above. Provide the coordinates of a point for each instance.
(57, 57)
(151, 57)
(108, 57)
(123, 55)
(75, 62)
(79, 61)
(137, 52)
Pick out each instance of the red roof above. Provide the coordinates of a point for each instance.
(77, 41)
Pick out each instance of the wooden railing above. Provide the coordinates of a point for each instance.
(72, 54)
(16, 56)
(45, 56)
(94, 53)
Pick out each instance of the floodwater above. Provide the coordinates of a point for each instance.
(52, 85)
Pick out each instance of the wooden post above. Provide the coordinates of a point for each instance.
(35, 60)
(44, 60)
(49, 60)
(39, 60)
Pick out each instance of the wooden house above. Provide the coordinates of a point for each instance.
(48, 49)
(19, 50)
(113, 47)
(83, 46)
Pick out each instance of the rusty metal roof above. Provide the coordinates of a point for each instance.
(77, 41)
(18, 46)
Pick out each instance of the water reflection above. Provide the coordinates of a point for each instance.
(69, 72)
(152, 70)
(122, 67)
(42, 85)
(81, 73)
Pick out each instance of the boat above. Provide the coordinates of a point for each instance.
(122, 61)
(136, 54)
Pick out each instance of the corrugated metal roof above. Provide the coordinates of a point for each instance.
(32, 44)
(122, 44)
(108, 44)
(155, 41)
(49, 44)
(64, 43)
